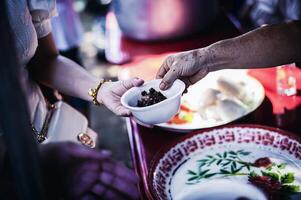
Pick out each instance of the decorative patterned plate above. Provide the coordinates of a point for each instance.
(219, 98)
(257, 161)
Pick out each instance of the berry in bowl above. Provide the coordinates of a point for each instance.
(150, 105)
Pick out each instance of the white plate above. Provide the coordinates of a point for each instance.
(254, 94)
(176, 173)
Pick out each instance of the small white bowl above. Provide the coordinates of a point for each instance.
(159, 112)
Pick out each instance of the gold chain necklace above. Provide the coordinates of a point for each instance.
(42, 135)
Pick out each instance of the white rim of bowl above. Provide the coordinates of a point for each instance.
(154, 105)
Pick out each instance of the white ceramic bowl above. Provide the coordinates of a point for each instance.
(157, 113)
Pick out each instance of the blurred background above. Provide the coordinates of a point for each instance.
(118, 39)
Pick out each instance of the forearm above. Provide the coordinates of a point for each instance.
(264, 47)
(58, 72)
(66, 76)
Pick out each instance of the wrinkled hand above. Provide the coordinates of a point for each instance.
(189, 66)
(75, 172)
(111, 92)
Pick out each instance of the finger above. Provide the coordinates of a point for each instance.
(90, 165)
(164, 67)
(105, 192)
(99, 189)
(112, 195)
(118, 184)
(162, 70)
(170, 77)
(83, 152)
(87, 180)
(82, 182)
(137, 82)
(198, 76)
(134, 82)
(122, 111)
(120, 170)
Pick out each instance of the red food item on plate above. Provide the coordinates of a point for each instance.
(177, 120)
(263, 162)
(266, 182)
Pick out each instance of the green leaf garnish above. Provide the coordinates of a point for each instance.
(290, 188)
(223, 171)
(219, 162)
(273, 175)
(281, 166)
(231, 163)
(209, 175)
(253, 174)
(287, 178)
(225, 154)
(193, 178)
(190, 172)
(204, 172)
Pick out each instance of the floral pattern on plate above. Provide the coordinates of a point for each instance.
(266, 158)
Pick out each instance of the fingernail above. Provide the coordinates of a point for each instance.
(162, 86)
(137, 80)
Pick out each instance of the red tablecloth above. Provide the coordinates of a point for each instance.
(280, 103)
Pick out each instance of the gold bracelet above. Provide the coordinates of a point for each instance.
(94, 91)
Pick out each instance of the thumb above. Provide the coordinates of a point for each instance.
(133, 82)
(170, 77)
(87, 153)
(198, 76)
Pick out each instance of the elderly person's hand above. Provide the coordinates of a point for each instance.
(189, 66)
(111, 92)
(75, 172)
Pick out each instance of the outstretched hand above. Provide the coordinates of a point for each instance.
(111, 92)
(189, 66)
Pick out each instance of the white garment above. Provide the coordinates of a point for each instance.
(66, 28)
(30, 20)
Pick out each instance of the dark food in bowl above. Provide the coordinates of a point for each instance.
(150, 98)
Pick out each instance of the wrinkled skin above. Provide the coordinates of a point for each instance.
(189, 66)
(258, 48)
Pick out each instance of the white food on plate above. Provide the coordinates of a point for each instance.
(229, 109)
(231, 88)
(219, 107)
(204, 100)
(209, 97)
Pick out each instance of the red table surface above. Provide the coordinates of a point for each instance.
(143, 60)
